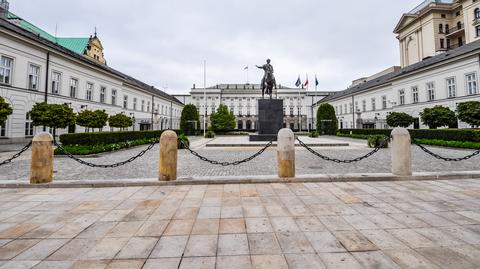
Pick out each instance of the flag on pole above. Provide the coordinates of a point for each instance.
(246, 68)
(306, 82)
(299, 82)
(316, 81)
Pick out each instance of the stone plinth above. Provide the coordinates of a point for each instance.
(41, 170)
(286, 154)
(168, 156)
(270, 119)
(401, 152)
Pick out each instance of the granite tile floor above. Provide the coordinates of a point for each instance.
(411, 224)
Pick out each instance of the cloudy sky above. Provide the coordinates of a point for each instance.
(165, 42)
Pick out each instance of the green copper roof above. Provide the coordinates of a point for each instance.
(77, 45)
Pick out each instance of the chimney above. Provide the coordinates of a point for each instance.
(4, 7)
(194, 86)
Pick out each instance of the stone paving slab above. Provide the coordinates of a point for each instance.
(264, 225)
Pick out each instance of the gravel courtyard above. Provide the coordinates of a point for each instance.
(265, 164)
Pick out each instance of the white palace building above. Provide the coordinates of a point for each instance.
(440, 57)
(36, 67)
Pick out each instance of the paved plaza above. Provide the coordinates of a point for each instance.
(420, 224)
(189, 166)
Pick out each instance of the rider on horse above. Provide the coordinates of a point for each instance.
(268, 80)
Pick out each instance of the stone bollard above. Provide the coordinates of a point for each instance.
(168, 156)
(401, 152)
(41, 169)
(286, 153)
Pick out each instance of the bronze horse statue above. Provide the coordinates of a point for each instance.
(268, 80)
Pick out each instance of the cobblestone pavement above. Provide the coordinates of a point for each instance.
(190, 166)
(419, 224)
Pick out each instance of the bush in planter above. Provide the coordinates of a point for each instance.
(375, 141)
(313, 134)
(399, 119)
(210, 134)
(438, 116)
(92, 119)
(190, 120)
(183, 142)
(223, 120)
(52, 115)
(120, 121)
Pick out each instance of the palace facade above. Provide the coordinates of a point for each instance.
(36, 67)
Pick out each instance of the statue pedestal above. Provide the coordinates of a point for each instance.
(270, 119)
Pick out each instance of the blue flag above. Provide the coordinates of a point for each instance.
(316, 81)
(299, 82)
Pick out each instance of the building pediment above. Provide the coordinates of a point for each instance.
(405, 20)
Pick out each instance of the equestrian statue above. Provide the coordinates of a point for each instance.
(268, 80)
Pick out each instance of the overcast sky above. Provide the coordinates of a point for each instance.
(164, 42)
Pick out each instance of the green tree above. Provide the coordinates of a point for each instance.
(189, 120)
(5, 110)
(438, 116)
(222, 120)
(469, 112)
(92, 119)
(120, 121)
(327, 123)
(52, 115)
(399, 119)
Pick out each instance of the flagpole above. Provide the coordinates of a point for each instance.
(205, 97)
(248, 70)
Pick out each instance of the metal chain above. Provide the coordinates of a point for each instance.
(9, 160)
(196, 154)
(445, 158)
(71, 156)
(338, 160)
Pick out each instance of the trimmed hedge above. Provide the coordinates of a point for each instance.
(472, 135)
(109, 137)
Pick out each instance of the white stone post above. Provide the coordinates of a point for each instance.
(286, 153)
(168, 156)
(401, 152)
(41, 168)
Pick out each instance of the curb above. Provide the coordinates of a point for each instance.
(421, 176)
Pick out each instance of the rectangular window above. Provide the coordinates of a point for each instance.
(384, 102)
(364, 105)
(114, 97)
(134, 103)
(6, 65)
(103, 93)
(73, 87)
(125, 101)
(471, 83)
(351, 108)
(3, 130)
(28, 125)
(356, 107)
(401, 97)
(374, 105)
(33, 77)
(291, 111)
(451, 88)
(415, 94)
(431, 91)
(345, 108)
(89, 93)
(143, 105)
(56, 82)
(148, 106)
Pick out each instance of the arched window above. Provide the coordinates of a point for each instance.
(477, 13)
(28, 124)
(447, 28)
(440, 28)
(459, 25)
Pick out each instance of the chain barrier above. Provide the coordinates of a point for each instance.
(9, 160)
(205, 159)
(71, 156)
(445, 158)
(326, 158)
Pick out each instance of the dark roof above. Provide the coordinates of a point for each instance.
(388, 78)
(60, 49)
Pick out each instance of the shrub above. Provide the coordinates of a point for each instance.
(438, 116)
(120, 121)
(93, 149)
(189, 120)
(101, 138)
(313, 134)
(183, 142)
(326, 120)
(472, 135)
(222, 120)
(469, 112)
(375, 141)
(52, 115)
(399, 119)
(92, 119)
(5, 110)
(210, 134)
